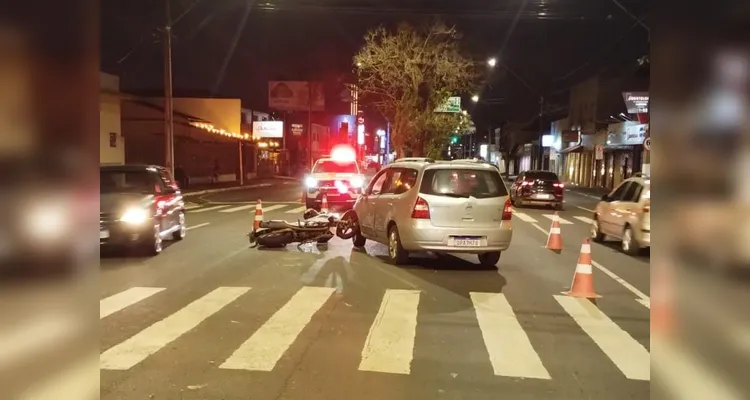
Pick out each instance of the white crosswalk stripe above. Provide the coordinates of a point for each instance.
(273, 207)
(134, 350)
(510, 350)
(240, 208)
(524, 217)
(266, 346)
(562, 220)
(585, 220)
(389, 345)
(117, 302)
(628, 355)
(213, 208)
(297, 210)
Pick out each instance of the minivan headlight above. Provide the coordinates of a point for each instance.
(134, 216)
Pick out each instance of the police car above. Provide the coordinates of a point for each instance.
(338, 177)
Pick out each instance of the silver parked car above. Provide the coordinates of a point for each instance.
(417, 204)
(625, 214)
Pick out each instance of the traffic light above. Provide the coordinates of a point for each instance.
(454, 139)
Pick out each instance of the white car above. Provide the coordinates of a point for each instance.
(338, 178)
(625, 214)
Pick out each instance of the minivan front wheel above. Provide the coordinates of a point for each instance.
(396, 253)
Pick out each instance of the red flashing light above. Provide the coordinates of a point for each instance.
(421, 209)
(343, 154)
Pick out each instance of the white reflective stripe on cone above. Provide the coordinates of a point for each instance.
(555, 230)
(586, 248)
(584, 269)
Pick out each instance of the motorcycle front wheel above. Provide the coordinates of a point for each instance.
(345, 228)
(275, 239)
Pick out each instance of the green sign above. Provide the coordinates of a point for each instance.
(452, 105)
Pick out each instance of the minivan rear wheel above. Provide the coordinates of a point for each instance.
(396, 253)
(489, 260)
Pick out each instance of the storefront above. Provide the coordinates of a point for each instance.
(623, 152)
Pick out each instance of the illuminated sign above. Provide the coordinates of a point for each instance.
(547, 140)
(636, 102)
(268, 129)
(360, 134)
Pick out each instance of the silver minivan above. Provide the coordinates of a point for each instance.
(417, 205)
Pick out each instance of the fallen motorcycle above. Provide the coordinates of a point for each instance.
(316, 227)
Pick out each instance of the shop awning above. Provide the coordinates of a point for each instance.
(573, 149)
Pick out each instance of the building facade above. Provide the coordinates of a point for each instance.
(111, 140)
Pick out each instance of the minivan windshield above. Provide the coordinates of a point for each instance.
(126, 181)
(459, 182)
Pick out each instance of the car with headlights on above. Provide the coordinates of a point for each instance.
(418, 205)
(140, 207)
(338, 178)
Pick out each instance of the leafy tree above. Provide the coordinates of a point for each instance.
(406, 74)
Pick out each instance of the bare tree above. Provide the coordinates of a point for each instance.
(406, 74)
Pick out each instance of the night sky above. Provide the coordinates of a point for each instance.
(552, 45)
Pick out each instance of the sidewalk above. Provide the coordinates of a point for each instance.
(201, 189)
(595, 192)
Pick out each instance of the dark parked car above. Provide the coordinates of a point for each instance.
(140, 206)
(537, 188)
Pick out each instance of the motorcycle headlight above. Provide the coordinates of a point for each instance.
(134, 216)
(311, 182)
(357, 182)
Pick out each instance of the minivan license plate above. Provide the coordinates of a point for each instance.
(466, 242)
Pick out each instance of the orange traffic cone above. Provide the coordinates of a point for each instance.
(583, 279)
(258, 215)
(324, 205)
(554, 240)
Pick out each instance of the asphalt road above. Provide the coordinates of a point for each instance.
(210, 318)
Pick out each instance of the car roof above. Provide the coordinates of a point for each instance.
(428, 163)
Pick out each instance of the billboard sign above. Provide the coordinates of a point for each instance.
(451, 105)
(636, 102)
(296, 96)
(268, 129)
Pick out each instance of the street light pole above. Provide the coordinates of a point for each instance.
(168, 114)
(541, 132)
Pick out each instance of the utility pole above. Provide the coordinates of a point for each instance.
(309, 124)
(168, 115)
(541, 132)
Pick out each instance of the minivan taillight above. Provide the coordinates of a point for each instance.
(508, 210)
(558, 185)
(421, 209)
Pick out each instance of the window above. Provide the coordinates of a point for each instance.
(634, 193)
(377, 184)
(457, 182)
(136, 181)
(542, 175)
(332, 167)
(619, 193)
(401, 181)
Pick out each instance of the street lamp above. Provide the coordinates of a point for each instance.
(475, 98)
(492, 62)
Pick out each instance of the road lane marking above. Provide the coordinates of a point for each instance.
(642, 298)
(210, 209)
(524, 217)
(127, 298)
(198, 226)
(273, 207)
(150, 340)
(584, 194)
(510, 350)
(240, 208)
(390, 343)
(269, 343)
(585, 220)
(80, 382)
(562, 220)
(626, 353)
(586, 209)
(297, 210)
(192, 206)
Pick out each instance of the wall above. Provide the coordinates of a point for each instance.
(109, 121)
(583, 105)
(222, 113)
